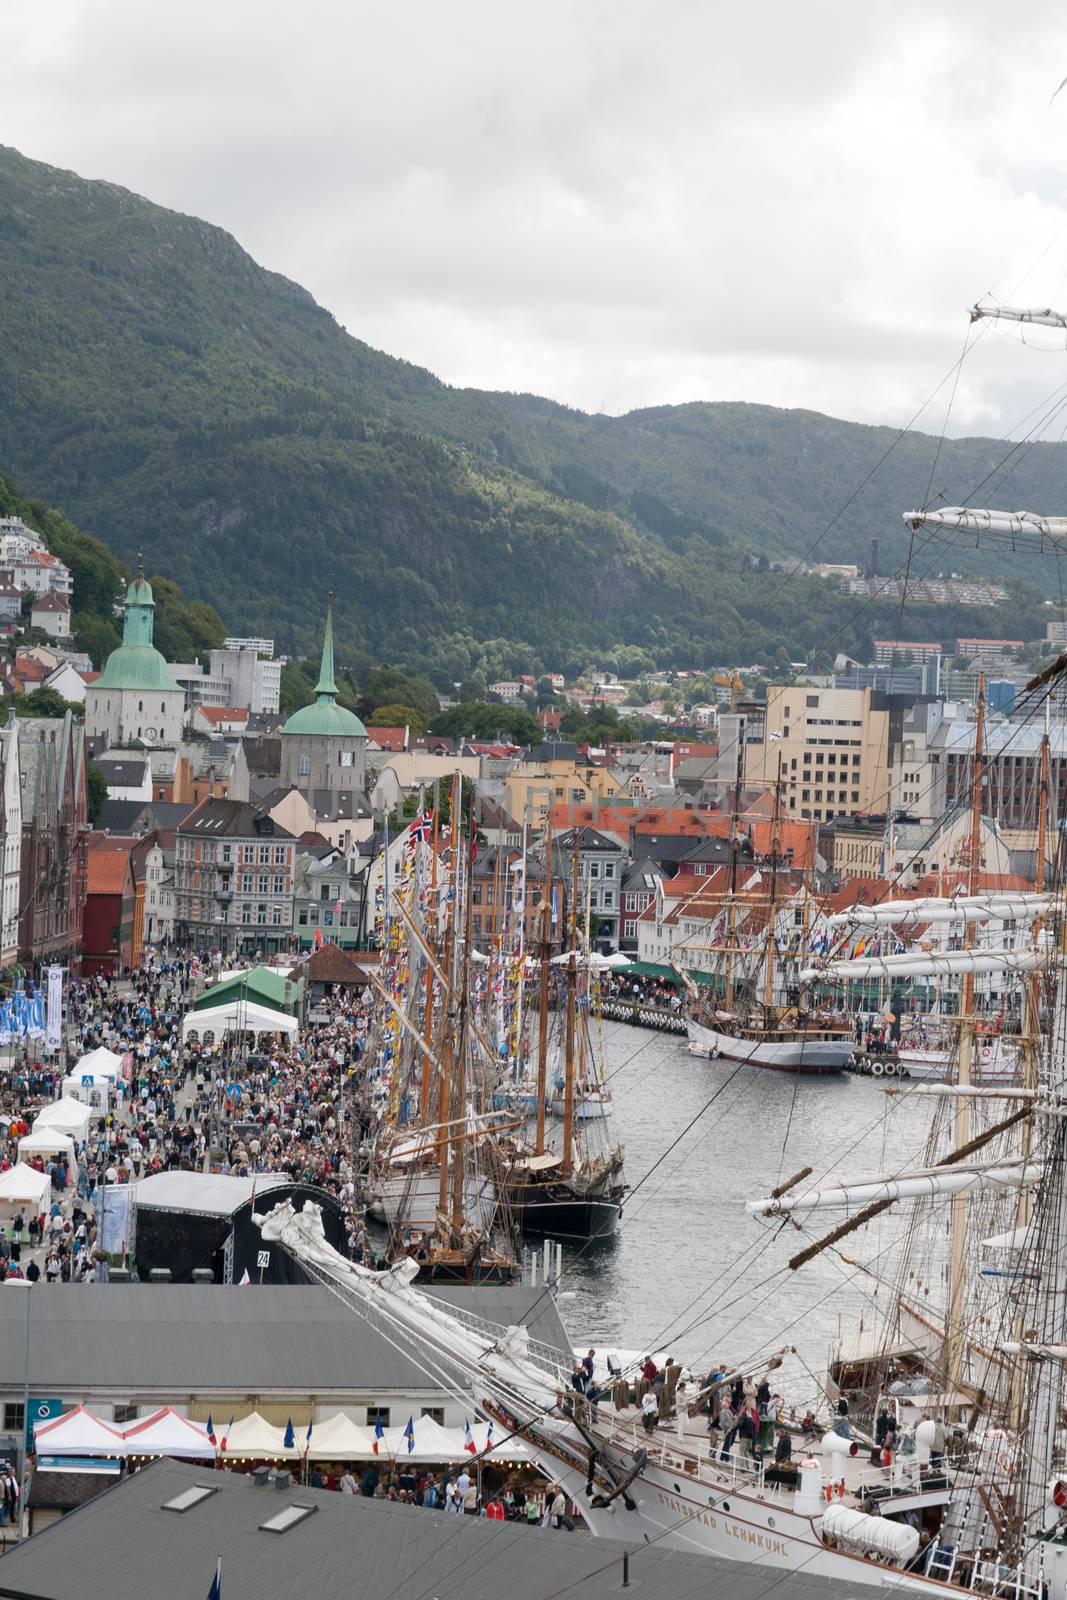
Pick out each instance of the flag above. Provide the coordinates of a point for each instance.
(379, 1434)
(420, 828)
(225, 1437)
(243, 1279)
(307, 1438)
(215, 1592)
(290, 1437)
(318, 938)
(468, 1439)
(211, 1431)
(489, 1436)
(409, 1435)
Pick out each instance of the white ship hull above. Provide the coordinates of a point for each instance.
(414, 1200)
(586, 1107)
(786, 1055)
(992, 1063)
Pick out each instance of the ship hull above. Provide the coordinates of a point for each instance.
(802, 1055)
(563, 1218)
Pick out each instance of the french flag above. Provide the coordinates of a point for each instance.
(468, 1439)
(211, 1434)
(489, 1436)
(379, 1434)
(226, 1436)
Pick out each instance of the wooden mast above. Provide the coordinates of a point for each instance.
(444, 1104)
(542, 1008)
(464, 863)
(955, 1320)
(731, 907)
(772, 941)
(427, 1012)
(572, 987)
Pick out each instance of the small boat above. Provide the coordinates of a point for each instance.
(782, 1049)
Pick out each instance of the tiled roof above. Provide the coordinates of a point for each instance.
(107, 870)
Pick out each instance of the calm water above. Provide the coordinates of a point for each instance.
(689, 1270)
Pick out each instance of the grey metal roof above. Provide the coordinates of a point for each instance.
(171, 1341)
(123, 1545)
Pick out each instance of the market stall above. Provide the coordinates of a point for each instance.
(48, 1142)
(238, 1016)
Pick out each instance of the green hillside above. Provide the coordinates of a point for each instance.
(170, 394)
(182, 630)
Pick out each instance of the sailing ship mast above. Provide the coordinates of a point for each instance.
(771, 952)
(567, 1166)
(542, 1011)
(955, 1320)
(731, 903)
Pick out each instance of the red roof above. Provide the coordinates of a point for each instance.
(107, 870)
(387, 738)
(90, 677)
(217, 714)
(51, 602)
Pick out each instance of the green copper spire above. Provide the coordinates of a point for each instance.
(324, 718)
(326, 688)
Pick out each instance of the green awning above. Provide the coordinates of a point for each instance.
(260, 984)
(648, 969)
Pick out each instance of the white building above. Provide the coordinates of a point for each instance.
(51, 613)
(12, 843)
(159, 896)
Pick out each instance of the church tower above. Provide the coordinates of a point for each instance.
(324, 747)
(135, 697)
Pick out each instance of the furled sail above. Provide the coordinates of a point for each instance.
(1012, 1175)
(961, 908)
(1044, 317)
(927, 964)
(1021, 525)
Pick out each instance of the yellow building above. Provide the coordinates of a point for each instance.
(834, 750)
(556, 772)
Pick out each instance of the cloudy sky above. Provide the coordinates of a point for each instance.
(615, 204)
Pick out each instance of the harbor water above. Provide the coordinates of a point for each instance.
(689, 1270)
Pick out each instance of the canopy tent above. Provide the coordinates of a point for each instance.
(90, 1089)
(515, 1449)
(48, 1142)
(254, 1438)
(338, 1438)
(66, 1116)
(165, 1433)
(260, 985)
(432, 1443)
(23, 1185)
(238, 1016)
(77, 1433)
(99, 1063)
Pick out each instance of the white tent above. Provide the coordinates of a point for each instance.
(66, 1116)
(514, 1449)
(254, 1438)
(48, 1142)
(99, 1063)
(165, 1433)
(432, 1443)
(239, 1016)
(21, 1185)
(92, 1089)
(77, 1433)
(338, 1438)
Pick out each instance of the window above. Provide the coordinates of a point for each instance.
(379, 1414)
(279, 886)
(14, 1417)
(435, 1414)
(264, 855)
(261, 916)
(304, 766)
(124, 1414)
(287, 1518)
(324, 891)
(276, 916)
(279, 855)
(190, 1497)
(264, 883)
(811, 701)
(630, 929)
(594, 869)
(302, 918)
(609, 869)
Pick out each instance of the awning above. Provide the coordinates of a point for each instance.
(165, 1433)
(66, 1116)
(23, 1185)
(338, 1438)
(99, 1063)
(239, 1016)
(253, 1438)
(77, 1433)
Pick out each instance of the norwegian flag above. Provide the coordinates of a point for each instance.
(468, 1439)
(422, 825)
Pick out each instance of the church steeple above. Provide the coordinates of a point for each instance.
(326, 688)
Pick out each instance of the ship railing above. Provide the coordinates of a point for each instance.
(664, 1450)
(545, 1356)
(1008, 1583)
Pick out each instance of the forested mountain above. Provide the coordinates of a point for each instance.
(182, 631)
(168, 393)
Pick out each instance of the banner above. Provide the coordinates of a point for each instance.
(53, 1037)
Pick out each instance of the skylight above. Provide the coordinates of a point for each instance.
(190, 1497)
(287, 1518)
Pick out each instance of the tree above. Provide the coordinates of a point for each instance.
(398, 717)
(43, 702)
(488, 722)
(96, 789)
